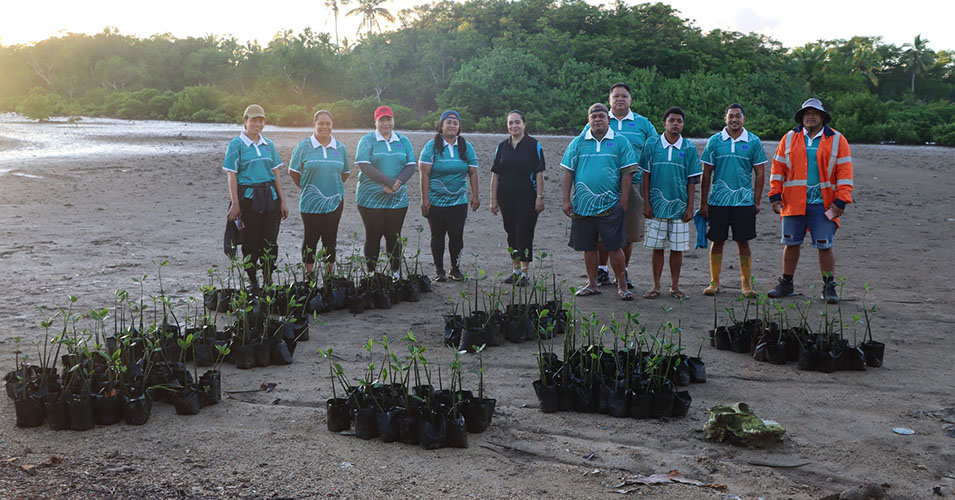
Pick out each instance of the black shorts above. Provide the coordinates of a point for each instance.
(585, 231)
(741, 219)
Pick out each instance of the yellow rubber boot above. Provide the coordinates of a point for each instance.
(746, 272)
(716, 265)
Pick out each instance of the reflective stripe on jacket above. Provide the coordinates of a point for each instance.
(787, 181)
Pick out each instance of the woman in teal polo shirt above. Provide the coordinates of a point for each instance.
(255, 193)
(320, 167)
(446, 165)
(385, 160)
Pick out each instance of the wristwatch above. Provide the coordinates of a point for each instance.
(540, 197)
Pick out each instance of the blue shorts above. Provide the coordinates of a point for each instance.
(822, 229)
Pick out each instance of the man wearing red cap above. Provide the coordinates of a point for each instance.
(810, 186)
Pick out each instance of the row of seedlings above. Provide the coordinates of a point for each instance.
(388, 403)
(771, 336)
(488, 320)
(108, 377)
(635, 374)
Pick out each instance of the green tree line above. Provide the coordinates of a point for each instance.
(548, 58)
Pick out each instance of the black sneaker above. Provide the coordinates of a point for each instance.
(440, 277)
(829, 293)
(510, 279)
(455, 274)
(783, 289)
(603, 277)
(522, 281)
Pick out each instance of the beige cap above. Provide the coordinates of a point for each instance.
(253, 111)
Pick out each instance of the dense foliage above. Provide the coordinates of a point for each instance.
(550, 58)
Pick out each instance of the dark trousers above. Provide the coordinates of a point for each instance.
(382, 222)
(260, 239)
(324, 227)
(520, 220)
(447, 221)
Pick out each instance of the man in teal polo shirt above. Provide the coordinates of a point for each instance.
(637, 129)
(729, 196)
(671, 170)
(599, 165)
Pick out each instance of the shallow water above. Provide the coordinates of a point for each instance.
(24, 142)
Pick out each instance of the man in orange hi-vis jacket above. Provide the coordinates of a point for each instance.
(810, 186)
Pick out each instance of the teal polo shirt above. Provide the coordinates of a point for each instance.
(813, 191)
(637, 129)
(671, 168)
(321, 169)
(252, 162)
(597, 167)
(733, 161)
(448, 184)
(390, 157)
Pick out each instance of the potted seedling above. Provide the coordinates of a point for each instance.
(478, 412)
(874, 351)
(337, 411)
(210, 383)
(29, 409)
(107, 404)
(185, 398)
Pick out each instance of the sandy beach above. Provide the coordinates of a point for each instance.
(87, 225)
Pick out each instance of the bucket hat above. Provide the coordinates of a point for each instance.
(816, 104)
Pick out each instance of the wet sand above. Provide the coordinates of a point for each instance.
(90, 225)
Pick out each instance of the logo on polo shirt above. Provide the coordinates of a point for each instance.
(744, 146)
(682, 154)
(609, 144)
(398, 145)
(265, 149)
(334, 153)
(631, 124)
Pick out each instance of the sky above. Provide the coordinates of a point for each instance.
(24, 22)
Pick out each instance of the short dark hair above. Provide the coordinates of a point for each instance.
(519, 112)
(620, 84)
(674, 110)
(597, 106)
(735, 105)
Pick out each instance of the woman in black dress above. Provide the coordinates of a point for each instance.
(517, 192)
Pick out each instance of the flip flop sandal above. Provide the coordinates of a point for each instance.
(678, 294)
(651, 294)
(587, 292)
(625, 296)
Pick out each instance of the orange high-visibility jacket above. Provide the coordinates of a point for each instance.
(787, 181)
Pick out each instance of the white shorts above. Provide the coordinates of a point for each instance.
(674, 231)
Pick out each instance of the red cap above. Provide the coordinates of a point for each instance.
(383, 111)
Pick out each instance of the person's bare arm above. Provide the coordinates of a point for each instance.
(494, 208)
(234, 211)
(566, 181)
(424, 172)
(705, 189)
(760, 171)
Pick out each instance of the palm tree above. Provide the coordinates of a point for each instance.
(333, 4)
(867, 60)
(810, 57)
(917, 57)
(370, 12)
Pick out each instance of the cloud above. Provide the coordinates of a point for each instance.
(747, 20)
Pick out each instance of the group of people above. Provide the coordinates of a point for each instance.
(622, 183)
(320, 165)
(619, 171)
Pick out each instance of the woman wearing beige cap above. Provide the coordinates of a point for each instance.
(255, 193)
